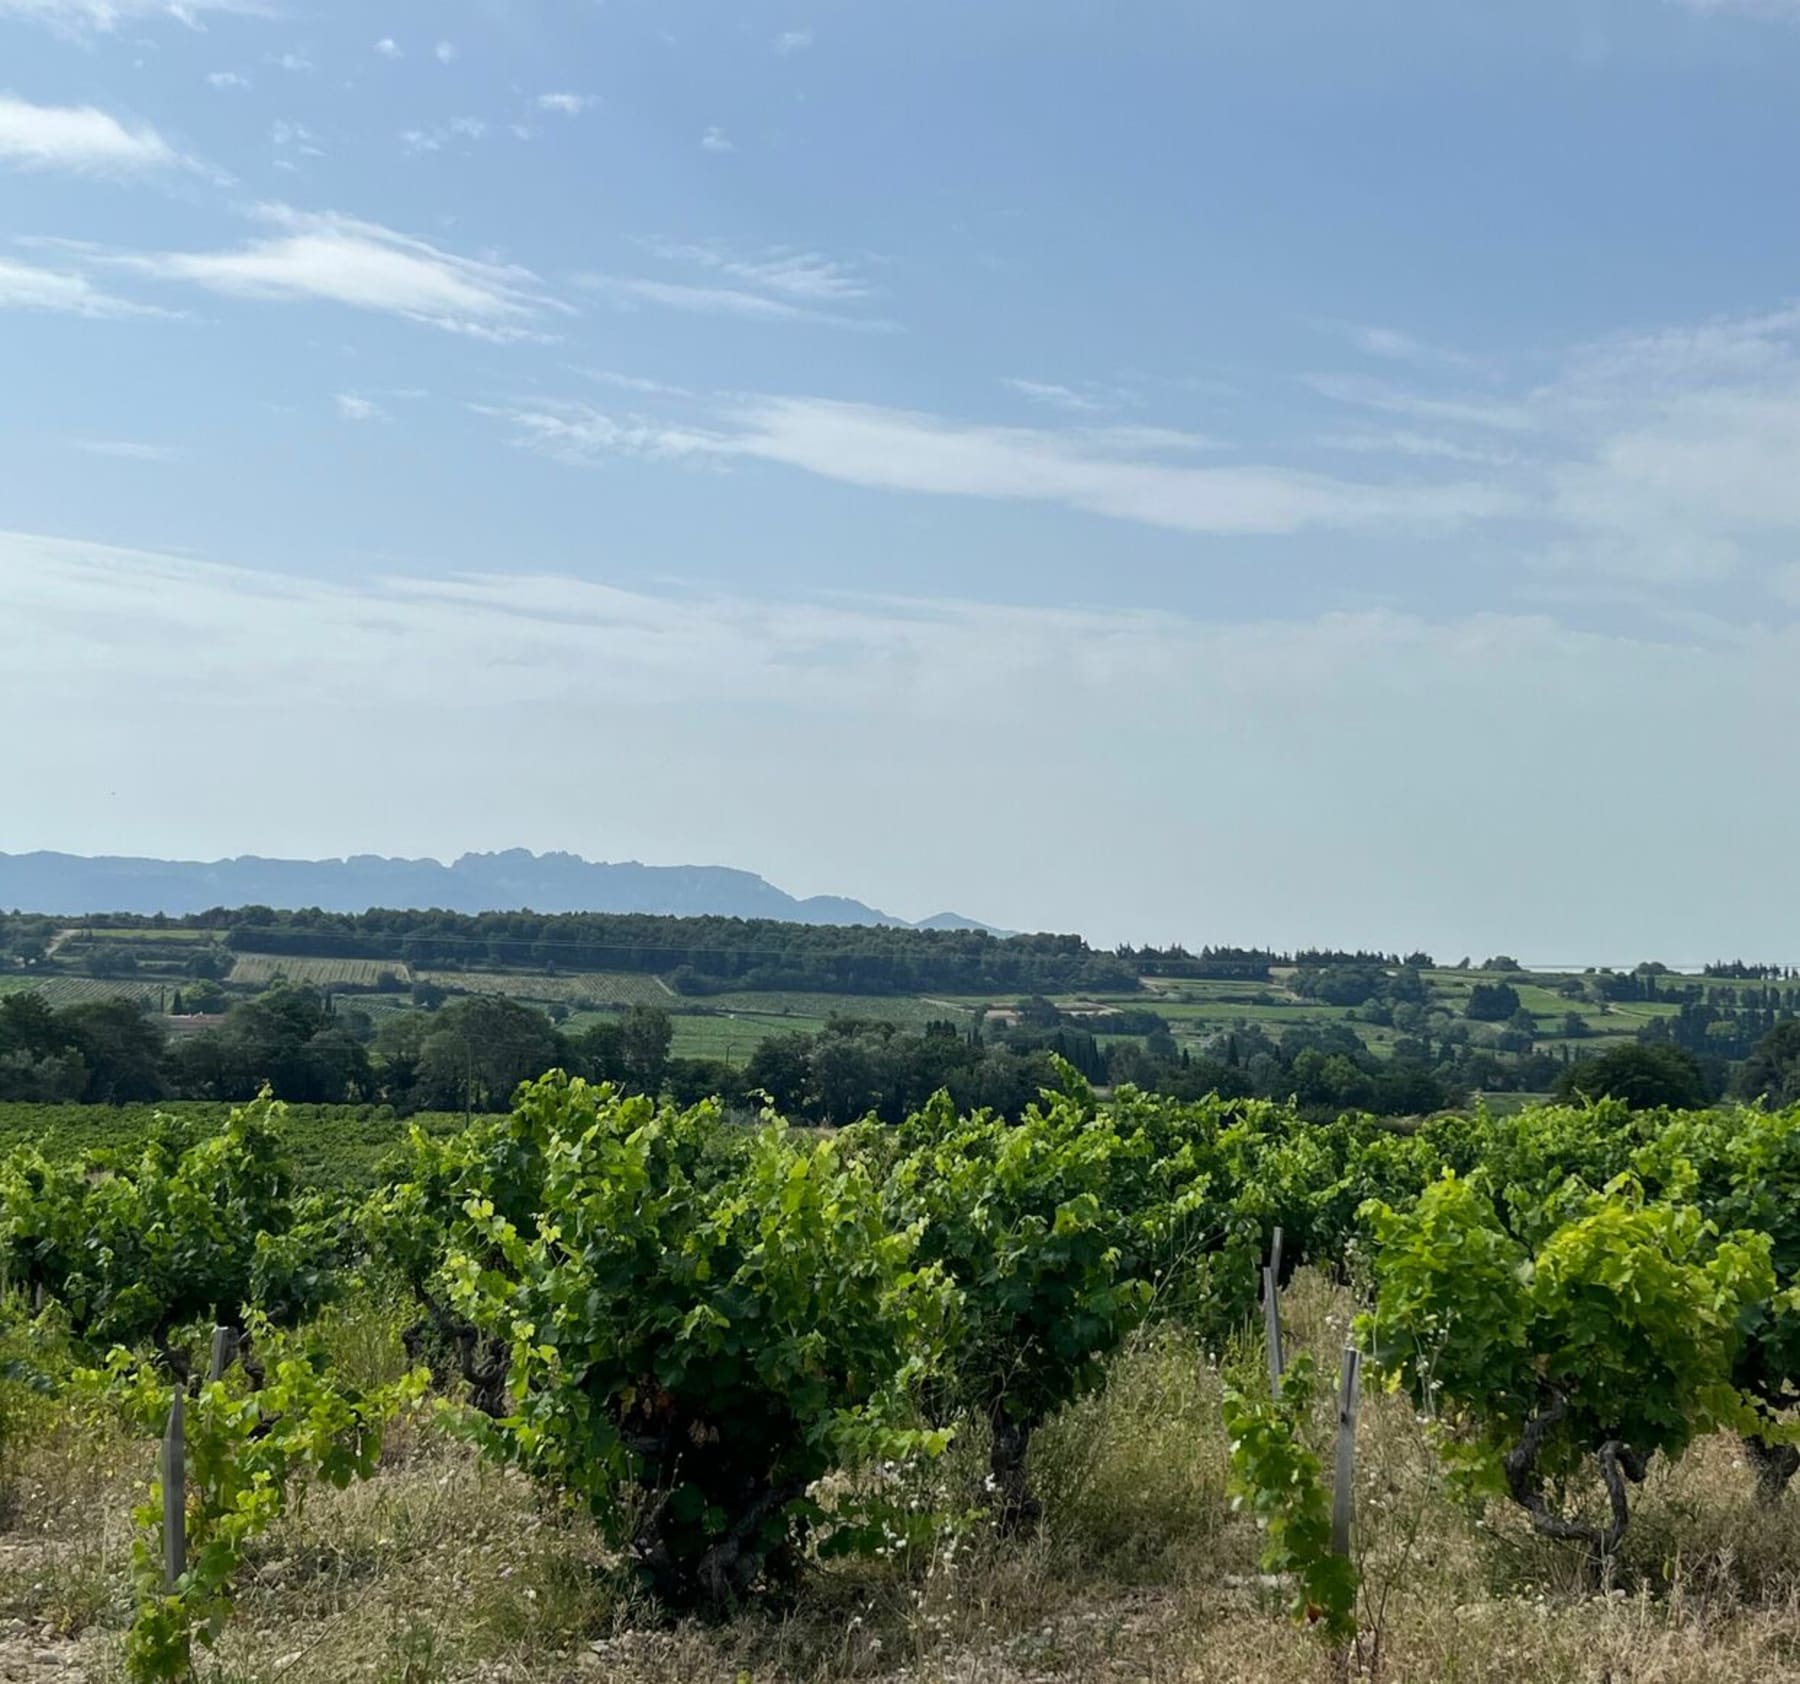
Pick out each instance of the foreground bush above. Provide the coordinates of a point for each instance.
(1614, 1342)
(133, 1249)
(1033, 1223)
(693, 1351)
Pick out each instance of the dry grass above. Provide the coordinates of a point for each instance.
(443, 1570)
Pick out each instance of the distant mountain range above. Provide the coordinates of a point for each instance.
(69, 885)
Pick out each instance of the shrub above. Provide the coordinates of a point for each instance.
(698, 1338)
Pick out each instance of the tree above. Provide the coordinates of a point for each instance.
(1492, 1002)
(122, 1047)
(644, 1041)
(481, 1049)
(1643, 1077)
(1772, 1071)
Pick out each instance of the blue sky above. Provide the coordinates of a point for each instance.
(1229, 471)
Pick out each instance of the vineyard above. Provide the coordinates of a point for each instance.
(606, 1377)
(257, 970)
(591, 988)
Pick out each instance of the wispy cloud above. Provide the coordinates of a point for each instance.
(1500, 414)
(388, 47)
(329, 257)
(24, 286)
(286, 135)
(100, 17)
(1053, 396)
(436, 139)
(129, 450)
(1393, 345)
(576, 432)
(634, 290)
(793, 41)
(352, 406)
(1421, 445)
(716, 140)
(1099, 473)
(81, 138)
(297, 63)
(900, 450)
(444, 52)
(636, 383)
(567, 105)
(780, 269)
(227, 79)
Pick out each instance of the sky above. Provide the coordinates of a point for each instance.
(1219, 471)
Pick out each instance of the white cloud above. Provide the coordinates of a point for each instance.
(296, 135)
(352, 406)
(574, 432)
(227, 79)
(78, 137)
(340, 259)
(129, 450)
(1053, 396)
(1425, 445)
(793, 273)
(1097, 473)
(715, 140)
(23, 286)
(99, 17)
(900, 450)
(1395, 346)
(435, 139)
(569, 105)
(841, 705)
(720, 301)
(636, 383)
(296, 62)
(793, 41)
(388, 47)
(1497, 413)
(444, 52)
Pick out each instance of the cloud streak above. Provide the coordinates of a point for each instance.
(102, 17)
(632, 290)
(81, 138)
(332, 258)
(1108, 472)
(25, 286)
(806, 275)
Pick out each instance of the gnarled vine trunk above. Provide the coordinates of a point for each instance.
(1009, 1461)
(1524, 1481)
(1775, 1465)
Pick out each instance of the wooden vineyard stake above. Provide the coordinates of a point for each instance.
(1271, 1285)
(223, 1344)
(1343, 1491)
(174, 1485)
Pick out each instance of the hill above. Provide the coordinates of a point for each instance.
(73, 886)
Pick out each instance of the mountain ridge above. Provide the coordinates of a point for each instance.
(513, 879)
